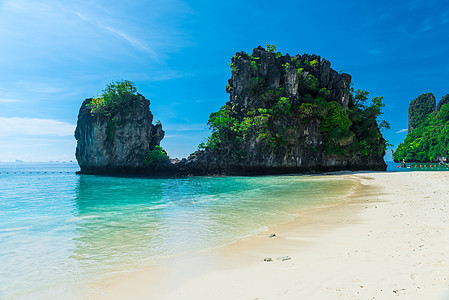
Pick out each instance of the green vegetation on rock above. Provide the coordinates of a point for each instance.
(271, 48)
(365, 126)
(279, 122)
(419, 109)
(157, 155)
(429, 139)
(117, 96)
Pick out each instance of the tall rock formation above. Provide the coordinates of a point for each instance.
(419, 109)
(287, 114)
(116, 144)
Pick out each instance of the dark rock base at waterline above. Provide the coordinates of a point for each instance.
(174, 171)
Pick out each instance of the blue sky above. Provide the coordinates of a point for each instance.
(54, 54)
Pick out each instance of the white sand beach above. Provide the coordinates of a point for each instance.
(388, 240)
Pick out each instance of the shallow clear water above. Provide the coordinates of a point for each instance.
(59, 229)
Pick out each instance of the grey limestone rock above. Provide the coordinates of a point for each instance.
(107, 145)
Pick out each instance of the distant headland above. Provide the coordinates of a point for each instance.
(428, 131)
(286, 114)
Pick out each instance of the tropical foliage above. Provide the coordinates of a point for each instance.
(117, 96)
(428, 141)
(278, 121)
(420, 108)
(155, 156)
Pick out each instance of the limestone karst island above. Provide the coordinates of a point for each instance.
(286, 114)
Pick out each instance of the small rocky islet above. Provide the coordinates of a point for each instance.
(286, 114)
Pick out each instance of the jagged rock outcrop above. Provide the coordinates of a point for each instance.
(282, 72)
(264, 133)
(116, 145)
(419, 109)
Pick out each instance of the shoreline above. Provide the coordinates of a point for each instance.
(343, 251)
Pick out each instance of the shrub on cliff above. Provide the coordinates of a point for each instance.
(155, 156)
(117, 96)
(365, 124)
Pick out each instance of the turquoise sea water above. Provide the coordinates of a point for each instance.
(58, 230)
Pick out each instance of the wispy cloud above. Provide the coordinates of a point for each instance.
(133, 41)
(27, 126)
(136, 43)
(426, 26)
(445, 17)
(402, 130)
(8, 100)
(419, 4)
(38, 87)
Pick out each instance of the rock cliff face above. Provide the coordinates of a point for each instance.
(266, 135)
(419, 109)
(107, 145)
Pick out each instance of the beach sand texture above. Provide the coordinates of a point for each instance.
(388, 240)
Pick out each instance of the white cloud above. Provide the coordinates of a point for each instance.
(402, 130)
(26, 126)
(8, 100)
